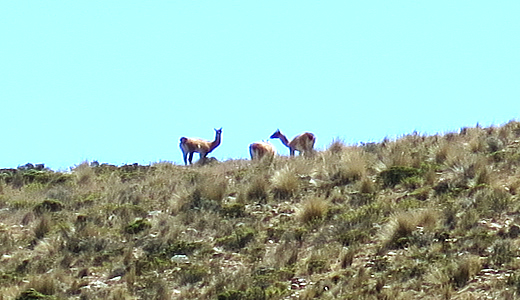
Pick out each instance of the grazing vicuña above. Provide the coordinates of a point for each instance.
(258, 150)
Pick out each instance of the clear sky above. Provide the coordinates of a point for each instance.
(121, 81)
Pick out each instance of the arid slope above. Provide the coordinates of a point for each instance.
(419, 217)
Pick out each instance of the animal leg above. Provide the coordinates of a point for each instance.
(185, 157)
(203, 157)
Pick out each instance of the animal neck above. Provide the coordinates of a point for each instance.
(216, 142)
(284, 139)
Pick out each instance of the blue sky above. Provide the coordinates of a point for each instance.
(121, 81)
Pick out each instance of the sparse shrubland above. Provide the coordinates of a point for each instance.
(419, 217)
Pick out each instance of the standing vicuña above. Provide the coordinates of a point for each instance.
(303, 143)
(191, 145)
(260, 149)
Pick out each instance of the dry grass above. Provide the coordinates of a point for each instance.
(399, 230)
(407, 228)
(343, 165)
(257, 190)
(285, 183)
(313, 210)
(464, 270)
(418, 217)
(337, 146)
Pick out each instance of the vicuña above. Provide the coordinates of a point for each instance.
(258, 150)
(303, 143)
(192, 145)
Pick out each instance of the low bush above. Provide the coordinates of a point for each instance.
(137, 226)
(397, 174)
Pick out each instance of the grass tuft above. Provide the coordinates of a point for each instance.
(258, 190)
(399, 230)
(313, 210)
(284, 183)
(407, 228)
(43, 227)
(337, 146)
(464, 270)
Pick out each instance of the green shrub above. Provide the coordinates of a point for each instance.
(238, 239)
(252, 293)
(190, 274)
(317, 265)
(168, 248)
(137, 226)
(231, 295)
(502, 253)
(396, 174)
(234, 210)
(49, 205)
(32, 294)
(352, 236)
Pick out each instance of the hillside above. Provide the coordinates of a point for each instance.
(419, 217)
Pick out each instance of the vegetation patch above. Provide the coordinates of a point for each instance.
(285, 183)
(313, 210)
(9, 277)
(397, 174)
(238, 239)
(234, 210)
(249, 294)
(258, 190)
(48, 205)
(32, 294)
(353, 236)
(137, 226)
(464, 270)
(30, 173)
(190, 274)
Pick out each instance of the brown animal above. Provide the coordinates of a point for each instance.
(191, 145)
(303, 143)
(258, 150)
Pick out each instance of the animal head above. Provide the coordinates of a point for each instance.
(276, 134)
(218, 131)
